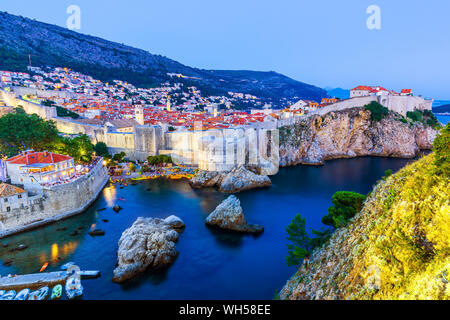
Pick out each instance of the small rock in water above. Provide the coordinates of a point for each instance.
(8, 263)
(97, 232)
(61, 229)
(75, 233)
(102, 209)
(105, 220)
(228, 215)
(117, 208)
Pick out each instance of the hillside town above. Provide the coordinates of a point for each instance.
(172, 105)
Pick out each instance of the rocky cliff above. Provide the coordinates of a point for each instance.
(397, 247)
(352, 133)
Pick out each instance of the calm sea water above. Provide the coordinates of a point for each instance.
(443, 119)
(211, 264)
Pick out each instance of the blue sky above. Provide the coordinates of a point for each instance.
(322, 42)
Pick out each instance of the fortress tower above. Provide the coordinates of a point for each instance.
(139, 115)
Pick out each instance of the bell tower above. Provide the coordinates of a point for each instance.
(139, 115)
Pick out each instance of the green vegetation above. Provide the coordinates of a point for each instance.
(119, 156)
(378, 112)
(345, 206)
(20, 131)
(441, 148)
(101, 150)
(426, 117)
(60, 111)
(80, 148)
(158, 160)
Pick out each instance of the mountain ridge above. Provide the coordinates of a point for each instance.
(54, 46)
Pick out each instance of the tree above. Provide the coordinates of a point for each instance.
(119, 156)
(300, 246)
(101, 149)
(346, 205)
(441, 148)
(79, 148)
(20, 131)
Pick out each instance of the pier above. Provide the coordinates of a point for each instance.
(38, 280)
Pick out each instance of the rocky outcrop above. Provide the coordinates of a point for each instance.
(237, 180)
(228, 215)
(351, 133)
(148, 243)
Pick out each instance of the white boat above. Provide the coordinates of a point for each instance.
(2, 292)
(9, 295)
(74, 289)
(40, 294)
(22, 295)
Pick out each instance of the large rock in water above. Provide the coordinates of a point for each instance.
(148, 243)
(228, 215)
(237, 180)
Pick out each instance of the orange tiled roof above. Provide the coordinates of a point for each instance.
(7, 190)
(38, 157)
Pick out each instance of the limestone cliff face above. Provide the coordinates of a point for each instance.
(397, 247)
(351, 133)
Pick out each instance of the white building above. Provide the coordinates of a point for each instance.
(32, 169)
(12, 197)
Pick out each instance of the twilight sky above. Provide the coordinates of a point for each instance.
(322, 42)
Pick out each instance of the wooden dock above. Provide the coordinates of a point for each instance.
(38, 280)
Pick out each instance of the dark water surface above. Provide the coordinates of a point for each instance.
(211, 264)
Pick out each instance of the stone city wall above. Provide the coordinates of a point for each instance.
(56, 203)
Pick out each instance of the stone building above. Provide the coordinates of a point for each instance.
(12, 197)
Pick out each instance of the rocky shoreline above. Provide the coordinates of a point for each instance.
(352, 133)
(237, 180)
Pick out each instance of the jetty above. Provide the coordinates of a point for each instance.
(37, 280)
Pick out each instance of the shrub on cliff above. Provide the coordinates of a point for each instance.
(345, 205)
(378, 112)
(441, 148)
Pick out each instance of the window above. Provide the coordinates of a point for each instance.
(6, 199)
(19, 196)
(8, 209)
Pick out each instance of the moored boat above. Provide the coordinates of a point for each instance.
(40, 294)
(9, 295)
(56, 292)
(22, 295)
(74, 289)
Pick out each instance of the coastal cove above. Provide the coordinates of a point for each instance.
(211, 264)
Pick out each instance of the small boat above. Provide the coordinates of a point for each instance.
(44, 267)
(9, 295)
(22, 295)
(40, 294)
(56, 292)
(2, 292)
(74, 289)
